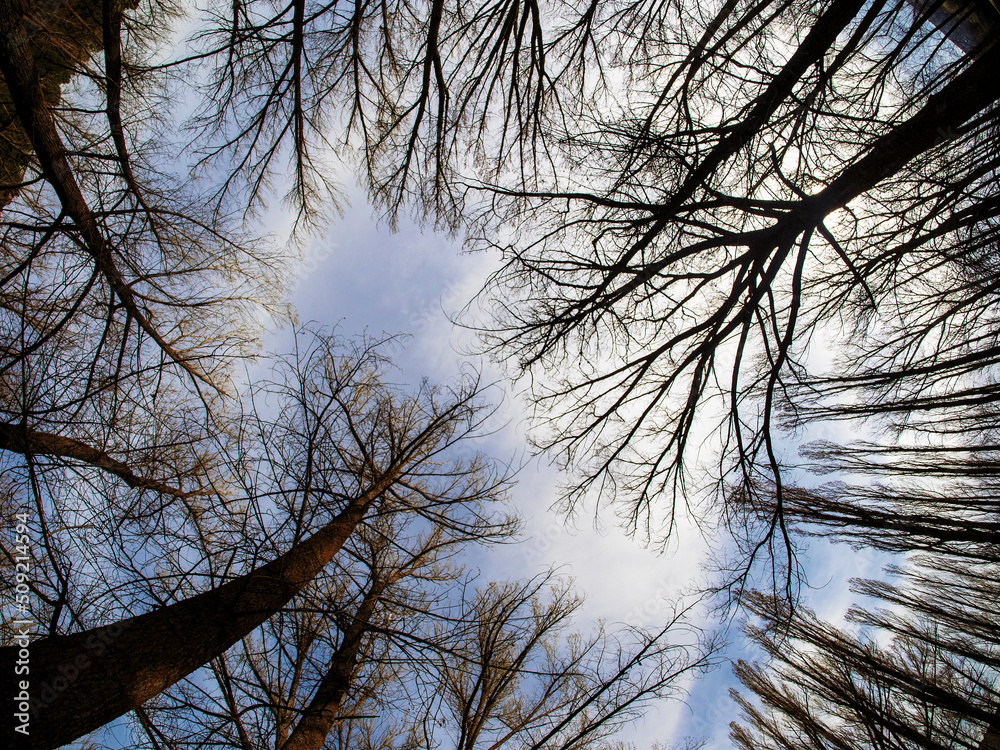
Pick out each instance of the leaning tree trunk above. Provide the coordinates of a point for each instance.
(323, 711)
(80, 682)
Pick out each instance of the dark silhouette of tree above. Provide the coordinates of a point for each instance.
(138, 252)
(933, 686)
(768, 167)
(356, 493)
(62, 35)
(936, 682)
(966, 24)
(732, 221)
(959, 519)
(765, 168)
(416, 90)
(343, 443)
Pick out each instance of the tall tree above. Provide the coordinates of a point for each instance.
(490, 667)
(343, 442)
(731, 215)
(743, 215)
(331, 651)
(770, 171)
(933, 686)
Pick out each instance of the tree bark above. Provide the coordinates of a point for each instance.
(24, 440)
(323, 710)
(80, 682)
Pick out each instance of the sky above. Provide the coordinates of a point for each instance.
(362, 277)
(412, 281)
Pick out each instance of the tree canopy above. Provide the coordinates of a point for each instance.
(718, 223)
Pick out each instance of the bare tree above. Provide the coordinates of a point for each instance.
(935, 683)
(934, 686)
(344, 443)
(329, 655)
(416, 89)
(471, 668)
(506, 679)
(765, 168)
(769, 171)
(778, 176)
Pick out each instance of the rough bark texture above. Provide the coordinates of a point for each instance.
(81, 682)
(61, 34)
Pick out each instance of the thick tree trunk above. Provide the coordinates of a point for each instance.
(991, 739)
(80, 682)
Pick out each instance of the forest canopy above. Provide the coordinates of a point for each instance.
(718, 226)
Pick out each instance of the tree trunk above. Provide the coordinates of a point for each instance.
(62, 35)
(967, 23)
(80, 682)
(323, 710)
(991, 738)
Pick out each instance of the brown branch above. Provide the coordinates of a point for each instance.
(21, 75)
(24, 440)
